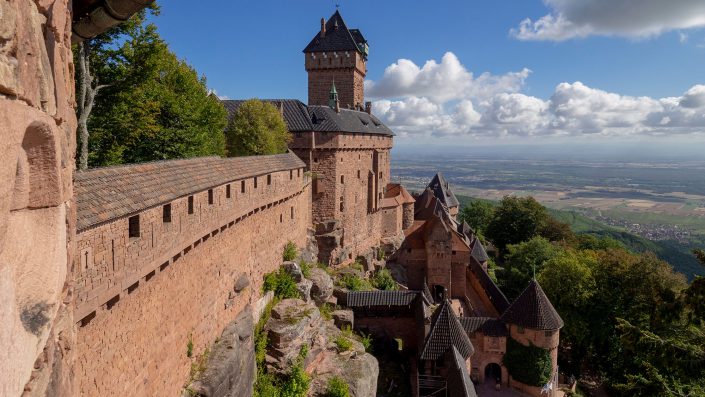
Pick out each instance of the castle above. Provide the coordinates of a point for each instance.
(107, 274)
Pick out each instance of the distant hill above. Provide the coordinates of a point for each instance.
(678, 255)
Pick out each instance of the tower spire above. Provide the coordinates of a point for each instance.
(333, 102)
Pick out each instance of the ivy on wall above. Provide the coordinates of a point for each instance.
(530, 365)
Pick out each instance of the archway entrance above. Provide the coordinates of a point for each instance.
(438, 293)
(493, 373)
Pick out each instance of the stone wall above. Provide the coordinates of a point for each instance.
(137, 342)
(36, 212)
(350, 172)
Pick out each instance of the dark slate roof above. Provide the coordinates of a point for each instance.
(487, 325)
(427, 292)
(465, 229)
(478, 252)
(337, 38)
(446, 331)
(295, 112)
(459, 382)
(103, 194)
(496, 296)
(381, 298)
(533, 310)
(441, 189)
(325, 119)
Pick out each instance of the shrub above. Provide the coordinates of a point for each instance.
(290, 252)
(380, 254)
(366, 340)
(305, 268)
(337, 387)
(383, 280)
(282, 284)
(354, 282)
(343, 343)
(189, 346)
(297, 383)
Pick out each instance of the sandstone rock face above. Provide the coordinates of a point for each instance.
(231, 367)
(294, 269)
(295, 323)
(304, 287)
(36, 212)
(343, 318)
(322, 287)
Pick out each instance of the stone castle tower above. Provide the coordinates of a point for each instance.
(336, 55)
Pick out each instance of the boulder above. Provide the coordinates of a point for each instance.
(241, 283)
(231, 368)
(343, 318)
(294, 269)
(358, 369)
(293, 323)
(322, 287)
(304, 287)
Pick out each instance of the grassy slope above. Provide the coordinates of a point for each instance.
(676, 254)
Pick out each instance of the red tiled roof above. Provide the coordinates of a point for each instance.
(103, 194)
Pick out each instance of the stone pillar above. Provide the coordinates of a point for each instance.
(37, 216)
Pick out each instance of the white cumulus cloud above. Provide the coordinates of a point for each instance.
(627, 18)
(495, 106)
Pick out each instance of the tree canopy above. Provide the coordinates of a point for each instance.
(477, 214)
(152, 105)
(516, 219)
(257, 128)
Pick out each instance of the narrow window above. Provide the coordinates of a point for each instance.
(298, 172)
(242, 187)
(190, 205)
(292, 212)
(210, 196)
(291, 174)
(227, 191)
(134, 226)
(166, 213)
(342, 206)
(281, 218)
(380, 175)
(358, 174)
(269, 180)
(342, 179)
(315, 159)
(255, 182)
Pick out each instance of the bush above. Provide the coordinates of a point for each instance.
(290, 252)
(354, 283)
(343, 343)
(366, 340)
(383, 280)
(337, 387)
(326, 311)
(297, 383)
(282, 284)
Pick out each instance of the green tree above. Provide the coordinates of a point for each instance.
(516, 219)
(257, 128)
(478, 214)
(554, 230)
(154, 105)
(522, 261)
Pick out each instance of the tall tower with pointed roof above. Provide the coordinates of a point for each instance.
(336, 54)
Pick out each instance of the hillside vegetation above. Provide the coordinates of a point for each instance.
(631, 321)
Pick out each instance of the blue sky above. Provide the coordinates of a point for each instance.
(253, 49)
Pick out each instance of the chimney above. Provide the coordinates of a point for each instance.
(368, 107)
(323, 27)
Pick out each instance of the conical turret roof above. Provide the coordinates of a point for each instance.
(446, 331)
(533, 310)
(441, 189)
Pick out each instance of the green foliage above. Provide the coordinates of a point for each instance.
(257, 128)
(282, 283)
(380, 254)
(353, 282)
(154, 106)
(296, 383)
(477, 214)
(198, 366)
(521, 260)
(383, 280)
(366, 340)
(343, 343)
(516, 219)
(189, 346)
(527, 364)
(700, 254)
(337, 387)
(305, 268)
(290, 252)
(326, 311)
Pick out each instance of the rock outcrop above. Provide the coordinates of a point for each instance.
(231, 369)
(294, 324)
(322, 287)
